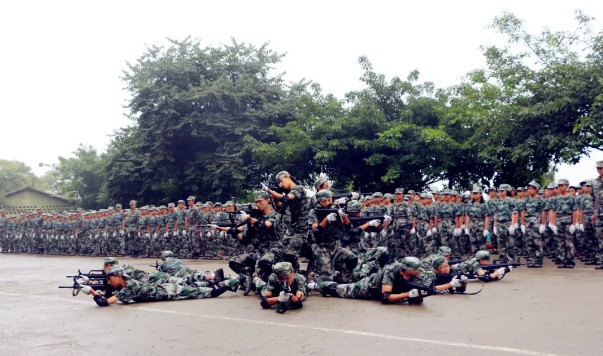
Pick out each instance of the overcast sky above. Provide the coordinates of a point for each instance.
(61, 60)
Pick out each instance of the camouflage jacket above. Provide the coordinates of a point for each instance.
(299, 211)
(534, 206)
(598, 194)
(297, 285)
(477, 210)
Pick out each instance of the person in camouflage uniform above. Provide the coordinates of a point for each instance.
(4, 239)
(422, 227)
(478, 220)
(564, 216)
(446, 215)
(473, 266)
(506, 212)
(597, 219)
(220, 237)
(533, 224)
(129, 290)
(389, 284)
(491, 203)
(372, 262)
(192, 220)
(273, 293)
(261, 231)
(297, 202)
(587, 225)
(181, 242)
(132, 222)
(401, 214)
(328, 256)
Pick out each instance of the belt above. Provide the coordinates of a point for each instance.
(563, 215)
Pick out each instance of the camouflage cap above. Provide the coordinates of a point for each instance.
(562, 181)
(520, 189)
(118, 205)
(209, 203)
(446, 192)
(282, 269)
(406, 197)
(323, 194)
(282, 174)
(438, 261)
(541, 191)
(144, 208)
(466, 195)
(482, 255)
(388, 196)
(354, 206)
(445, 251)
(588, 183)
(377, 194)
(436, 192)
(504, 187)
(318, 182)
(110, 261)
(229, 203)
(455, 193)
(411, 192)
(218, 204)
(599, 164)
(260, 194)
(476, 189)
(410, 263)
(162, 207)
(204, 205)
(117, 270)
(132, 202)
(399, 191)
(198, 204)
(551, 186)
(166, 254)
(110, 209)
(423, 195)
(190, 198)
(180, 201)
(171, 205)
(534, 184)
(582, 183)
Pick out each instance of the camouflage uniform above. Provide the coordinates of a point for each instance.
(136, 291)
(328, 255)
(477, 213)
(181, 241)
(192, 240)
(171, 266)
(132, 222)
(533, 219)
(504, 210)
(446, 214)
(298, 228)
(564, 207)
(401, 214)
(597, 189)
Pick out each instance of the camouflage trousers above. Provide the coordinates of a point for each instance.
(446, 231)
(426, 244)
(598, 227)
(330, 258)
(173, 291)
(589, 243)
(134, 243)
(534, 240)
(243, 263)
(548, 241)
(476, 235)
(293, 244)
(564, 239)
(369, 240)
(366, 288)
(398, 245)
(505, 241)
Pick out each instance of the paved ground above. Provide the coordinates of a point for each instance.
(530, 312)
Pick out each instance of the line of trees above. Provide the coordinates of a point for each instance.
(213, 121)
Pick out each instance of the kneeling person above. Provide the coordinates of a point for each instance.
(285, 288)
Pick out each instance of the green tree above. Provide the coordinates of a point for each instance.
(81, 177)
(538, 102)
(191, 107)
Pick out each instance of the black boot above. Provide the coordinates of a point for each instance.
(219, 275)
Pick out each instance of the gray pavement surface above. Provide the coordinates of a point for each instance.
(531, 312)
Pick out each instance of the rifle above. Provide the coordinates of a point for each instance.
(282, 307)
(505, 265)
(156, 265)
(357, 221)
(97, 279)
(429, 289)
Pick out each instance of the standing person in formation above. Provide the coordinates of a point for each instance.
(192, 220)
(588, 217)
(400, 211)
(506, 212)
(491, 203)
(119, 220)
(162, 229)
(131, 222)
(172, 223)
(422, 226)
(563, 220)
(478, 220)
(446, 217)
(296, 201)
(181, 239)
(219, 237)
(597, 218)
(143, 231)
(548, 239)
(533, 224)
(520, 244)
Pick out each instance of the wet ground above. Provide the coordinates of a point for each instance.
(548, 311)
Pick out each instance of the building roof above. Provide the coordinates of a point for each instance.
(36, 191)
